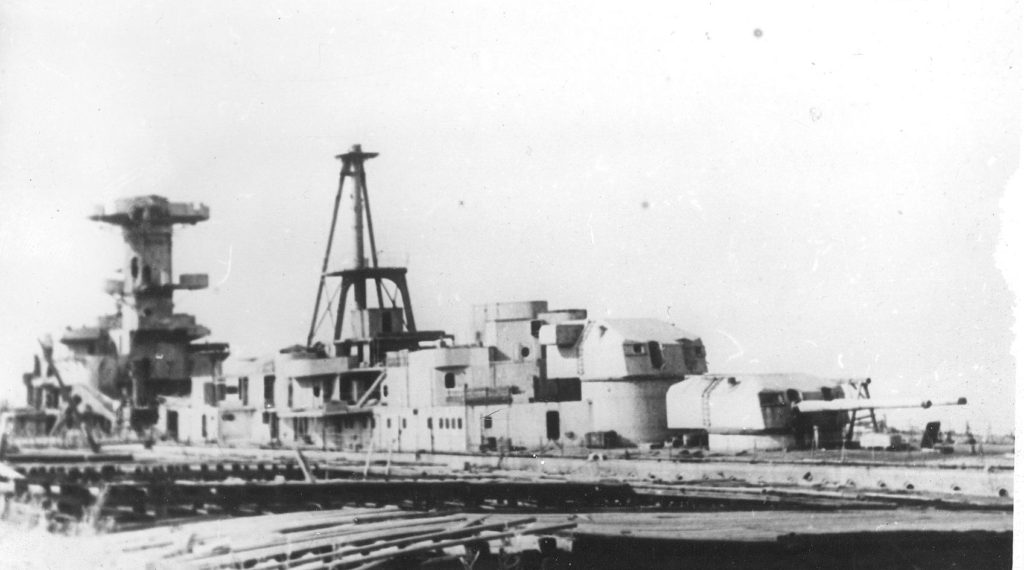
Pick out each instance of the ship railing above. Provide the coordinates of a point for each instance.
(487, 395)
(70, 440)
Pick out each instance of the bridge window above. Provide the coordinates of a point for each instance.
(449, 380)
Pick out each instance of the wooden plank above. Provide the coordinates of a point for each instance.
(287, 550)
(262, 547)
(548, 529)
(433, 537)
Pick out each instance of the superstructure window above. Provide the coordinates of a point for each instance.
(301, 427)
(553, 425)
(268, 391)
(449, 380)
(657, 359)
(772, 399)
(638, 348)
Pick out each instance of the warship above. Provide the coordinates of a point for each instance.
(531, 377)
(562, 410)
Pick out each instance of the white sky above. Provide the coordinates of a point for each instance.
(822, 198)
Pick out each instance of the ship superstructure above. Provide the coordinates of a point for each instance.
(531, 377)
(539, 378)
(129, 363)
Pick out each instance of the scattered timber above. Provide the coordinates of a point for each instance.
(345, 538)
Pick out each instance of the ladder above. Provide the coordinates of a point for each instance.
(705, 400)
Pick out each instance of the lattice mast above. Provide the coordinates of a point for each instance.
(373, 322)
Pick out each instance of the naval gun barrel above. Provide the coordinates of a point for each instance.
(844, 405)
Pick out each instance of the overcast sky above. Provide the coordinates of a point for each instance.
(807, 189)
